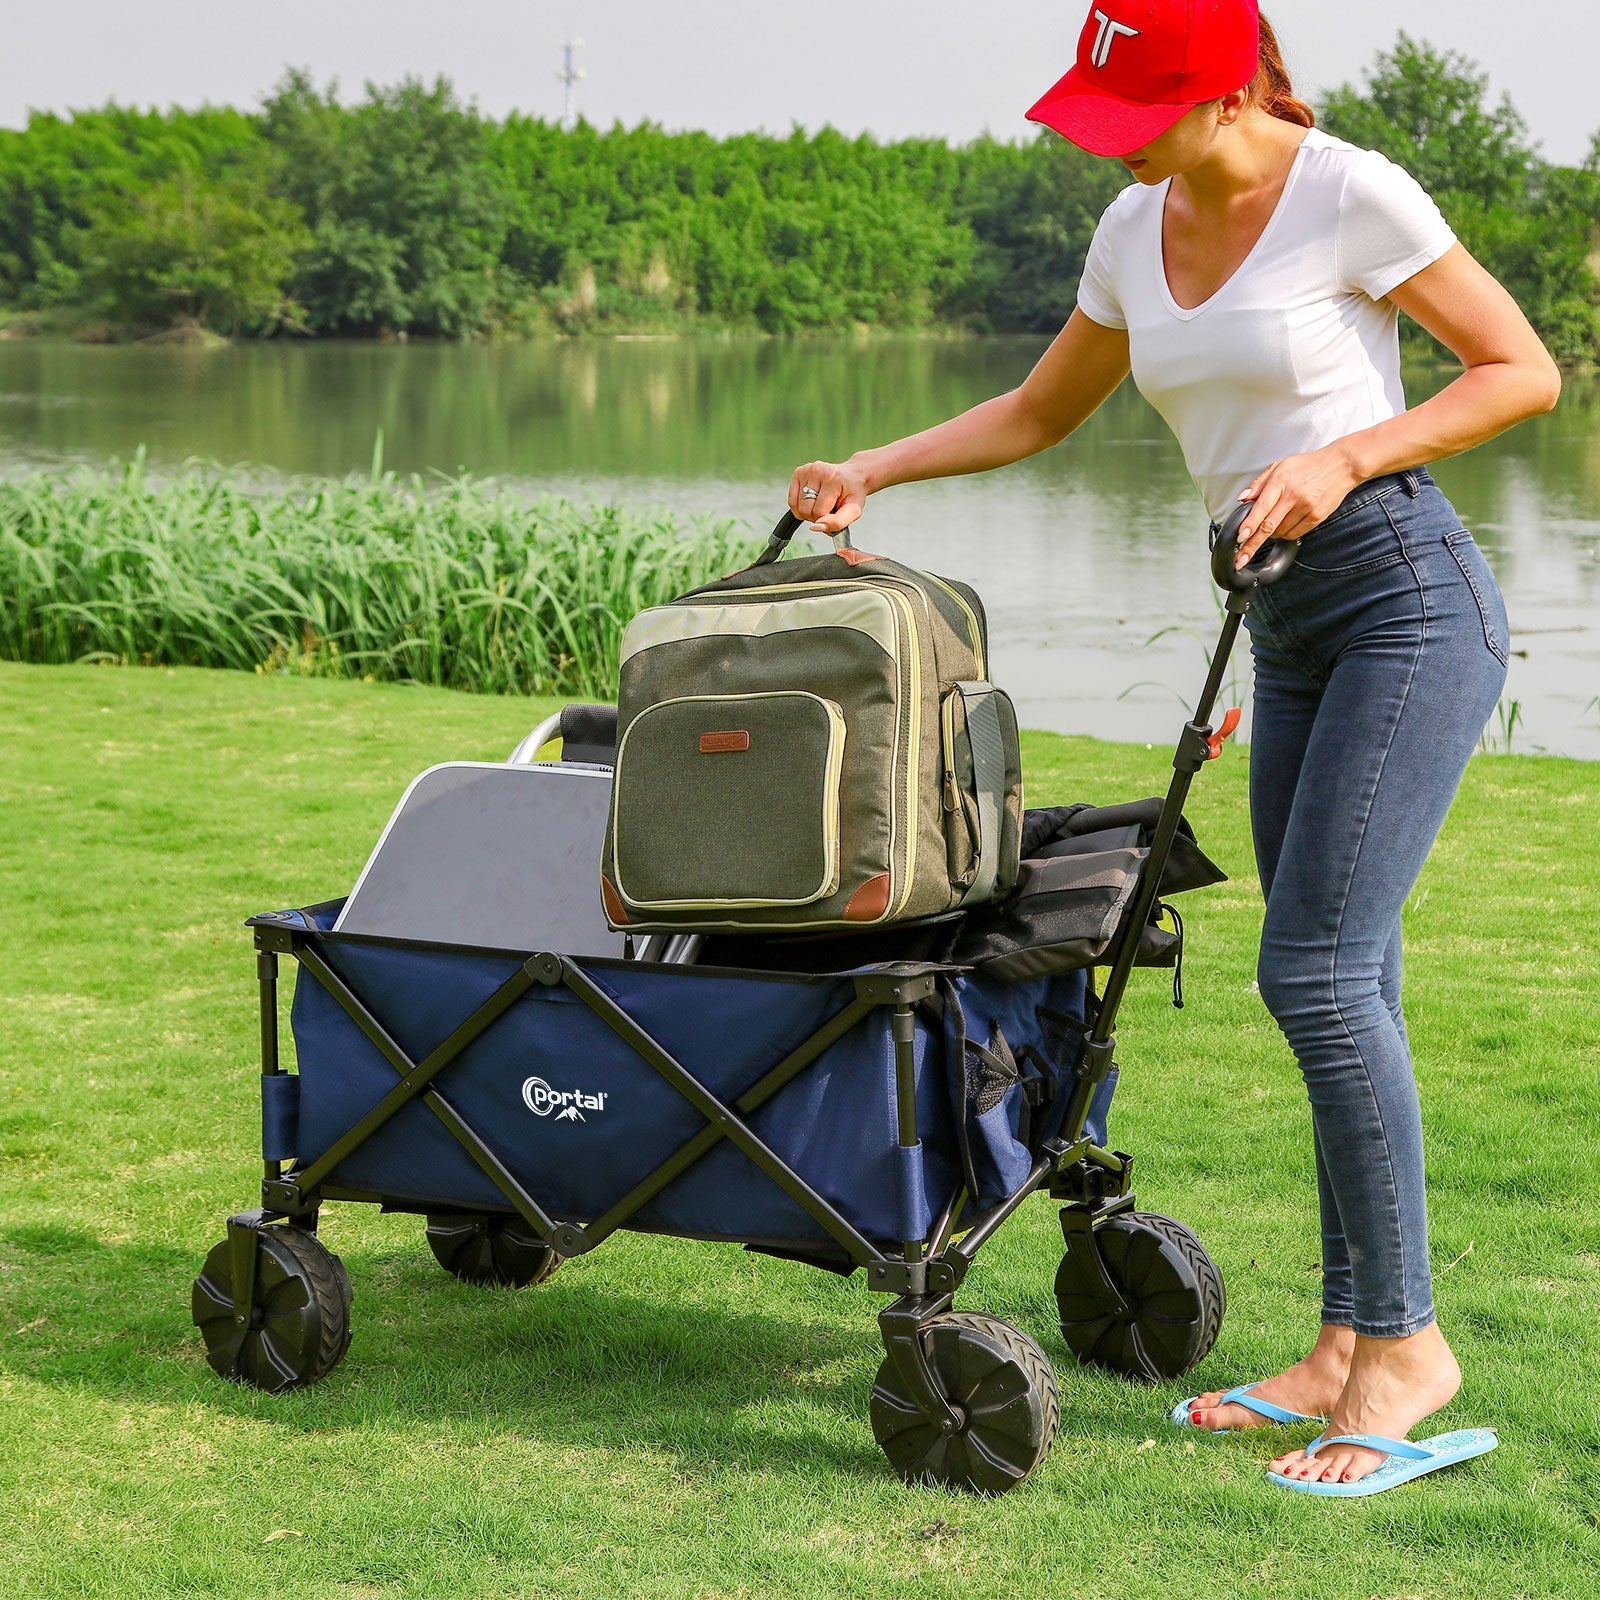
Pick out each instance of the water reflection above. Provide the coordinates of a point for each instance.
(1083, 553)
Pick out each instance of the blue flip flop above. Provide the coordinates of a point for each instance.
(1404, 1460)
(1242, 1396)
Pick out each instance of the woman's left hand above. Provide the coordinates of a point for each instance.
(1293, 495)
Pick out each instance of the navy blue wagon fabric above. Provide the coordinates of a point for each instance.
(579, 1117)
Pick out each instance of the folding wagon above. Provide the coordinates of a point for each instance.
(887, 1117)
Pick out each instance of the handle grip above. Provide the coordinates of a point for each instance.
(788, 526)
(1269, 564)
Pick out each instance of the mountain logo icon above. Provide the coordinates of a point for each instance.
(571, 1114)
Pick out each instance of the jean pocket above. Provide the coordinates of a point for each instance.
(1485, 591)
(1363, 540)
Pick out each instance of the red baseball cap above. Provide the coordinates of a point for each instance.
(1142, 64)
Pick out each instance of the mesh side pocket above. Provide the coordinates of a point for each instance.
(1061, 1037)
(997, 1071)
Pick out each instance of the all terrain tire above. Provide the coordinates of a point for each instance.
(298, 1326)
(1005, 1388)
(498, 1251)
(1171, 1299)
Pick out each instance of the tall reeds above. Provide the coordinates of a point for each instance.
(457, 583)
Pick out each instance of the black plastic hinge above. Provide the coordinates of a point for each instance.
(1194, 748)
(568, 1239)
(284, 1196)
(915, 1277)
(895, 986)
(1094, 1060)
(1090, 1183)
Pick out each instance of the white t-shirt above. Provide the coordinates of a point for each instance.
(1299, 347)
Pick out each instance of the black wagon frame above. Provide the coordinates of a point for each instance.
(918, 1399)
(923, 1276)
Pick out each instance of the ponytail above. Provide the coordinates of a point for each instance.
(1271, 89)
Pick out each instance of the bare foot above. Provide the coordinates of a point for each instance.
(1393, 1385)
(1310, 1386)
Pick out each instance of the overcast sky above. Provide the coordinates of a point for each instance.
(894, 67)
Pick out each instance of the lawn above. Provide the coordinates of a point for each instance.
(669, 1419)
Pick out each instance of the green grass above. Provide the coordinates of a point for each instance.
(670, 1419)
(452, 582)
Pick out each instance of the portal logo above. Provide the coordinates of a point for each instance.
(541, 1100)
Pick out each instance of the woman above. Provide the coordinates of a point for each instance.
(1250, 280)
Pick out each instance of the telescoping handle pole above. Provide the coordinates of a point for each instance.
(788, 526)
(1197, 745)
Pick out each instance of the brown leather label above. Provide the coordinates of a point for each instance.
(854, 557)
(616, 912)
(712, 744)
(870, 901)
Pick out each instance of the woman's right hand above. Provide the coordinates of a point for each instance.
(840, 497)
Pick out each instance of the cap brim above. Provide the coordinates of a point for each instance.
(1103, 124)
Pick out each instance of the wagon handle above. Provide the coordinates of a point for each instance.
(1269, 564)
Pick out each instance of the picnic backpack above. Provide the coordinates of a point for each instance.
(810, 744)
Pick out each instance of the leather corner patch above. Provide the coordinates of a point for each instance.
(870, 901)
(616, 912)
(855, 557)
(712, 744)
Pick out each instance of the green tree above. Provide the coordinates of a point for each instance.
(1530, 223)
(59, 176)
(184, 249)
(1033, 209)
(407, 213)
(1428, 110)
(804, 231)
(1543, 253)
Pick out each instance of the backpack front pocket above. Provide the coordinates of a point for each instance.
(729, 800)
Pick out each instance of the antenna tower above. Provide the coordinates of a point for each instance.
(569, 76)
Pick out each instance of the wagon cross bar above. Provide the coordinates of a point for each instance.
(416, 1079)
(724, 1122)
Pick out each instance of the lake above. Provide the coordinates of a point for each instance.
(1084, 554)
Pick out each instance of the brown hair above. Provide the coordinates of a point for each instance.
(1270, 88)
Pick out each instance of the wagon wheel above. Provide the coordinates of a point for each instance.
(1003, 1385)
(1168, 1304)
(298, 1326)
(497, 1250)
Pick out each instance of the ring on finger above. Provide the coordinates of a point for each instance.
(808, 494)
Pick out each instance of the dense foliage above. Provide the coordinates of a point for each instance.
(406, 212)
(1532, 224)
(461, 584)
(406, 209)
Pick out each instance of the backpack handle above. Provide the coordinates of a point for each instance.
(788, 526)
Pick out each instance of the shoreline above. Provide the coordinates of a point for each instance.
(31, 327)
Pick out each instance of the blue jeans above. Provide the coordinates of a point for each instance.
(1378, 659)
